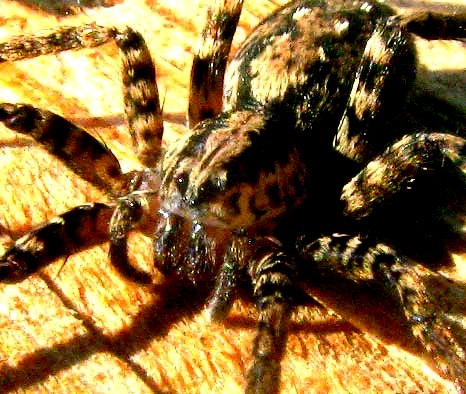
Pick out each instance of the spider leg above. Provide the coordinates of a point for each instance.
(428, 307)
(208, 69)
(75, 230)
(140, 93)
(64, 39)
(404, 164)
(385, 74)
(128, 212)
(82, 153)
(227, 279)
(141, 96)
(417, 186)
(436, 26)
(272, 273)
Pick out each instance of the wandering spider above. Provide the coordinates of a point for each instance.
(227, 201)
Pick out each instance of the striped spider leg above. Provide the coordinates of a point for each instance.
(134, 194)
(89, 158)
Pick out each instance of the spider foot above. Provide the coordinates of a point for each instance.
(16, 265)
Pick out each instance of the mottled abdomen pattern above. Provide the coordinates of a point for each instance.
(302, 61)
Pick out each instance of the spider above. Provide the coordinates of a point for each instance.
(286, 175)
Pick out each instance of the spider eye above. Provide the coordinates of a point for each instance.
(182, 182)
(210, 189)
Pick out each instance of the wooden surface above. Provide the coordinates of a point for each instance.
(80, 327)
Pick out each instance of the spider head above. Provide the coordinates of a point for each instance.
(227, 173)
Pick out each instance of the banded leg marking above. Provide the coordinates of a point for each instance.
(272, 273)
(390, 47)
(410, 159)
(141, 96)
(64, 39)
(428, 305)
(360, 135)
(82, 153)
(75, 230)
(209, 63)
(227, 279)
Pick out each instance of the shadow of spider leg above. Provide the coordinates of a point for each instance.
(88, 157)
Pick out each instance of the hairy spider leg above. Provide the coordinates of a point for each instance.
(422, 299)
(141, 96)
(129, 211)
(405, 162)
(359, 135)
(273, 278)
(85, 155)
(82, 153)
(76, 230)
(140, 93)
(420, 173)
(272, 273)
(92, 161)
(385, 74)
(63, 39)
(209, 63)
(225, 289)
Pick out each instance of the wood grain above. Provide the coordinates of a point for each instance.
(78, 326)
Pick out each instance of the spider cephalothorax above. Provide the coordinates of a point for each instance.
(309, 137)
